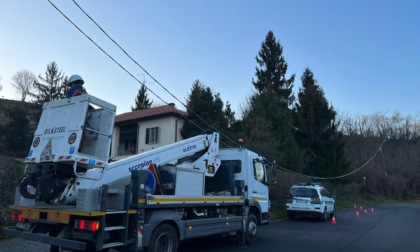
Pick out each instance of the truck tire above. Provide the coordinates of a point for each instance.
(251, 229)
(23, 187)
(164, 239)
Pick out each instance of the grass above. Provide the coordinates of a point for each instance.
(350, 201)
(278, 209)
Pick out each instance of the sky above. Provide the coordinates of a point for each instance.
(365, 55)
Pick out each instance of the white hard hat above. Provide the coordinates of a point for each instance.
(75, 79)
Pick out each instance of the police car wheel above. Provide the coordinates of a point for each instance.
(324, 215)
(333, 212)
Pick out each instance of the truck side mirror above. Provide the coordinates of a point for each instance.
(274, 173)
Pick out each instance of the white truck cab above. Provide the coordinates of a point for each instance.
(251, 167)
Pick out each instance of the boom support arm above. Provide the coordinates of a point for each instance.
(193, 153)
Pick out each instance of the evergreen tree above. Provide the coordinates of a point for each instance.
(52, 87)
(64, 87)
(202, 103)
(142, 101)
(271, 105)
(271, 71)
(229, 115)
(316, 130)
(259, 134)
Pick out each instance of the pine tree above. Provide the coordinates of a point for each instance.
(316, 130)
(271, 105)
(271, 71)
(202, 103)
(142, 101)
(229, 115)
(52, 86)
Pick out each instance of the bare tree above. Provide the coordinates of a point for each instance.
(23, 81)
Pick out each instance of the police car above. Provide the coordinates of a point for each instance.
(308, 199)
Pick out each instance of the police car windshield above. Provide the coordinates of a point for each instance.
(303, 192)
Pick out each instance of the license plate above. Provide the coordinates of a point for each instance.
(23, 226)
(301, 201)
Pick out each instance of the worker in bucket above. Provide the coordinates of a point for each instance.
(75, 82)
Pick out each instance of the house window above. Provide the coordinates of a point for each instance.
(152, 135)
(128, 140)
(130, 147)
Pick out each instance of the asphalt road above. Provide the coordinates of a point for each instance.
(390, 228)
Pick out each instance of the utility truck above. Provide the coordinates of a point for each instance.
(72, 197)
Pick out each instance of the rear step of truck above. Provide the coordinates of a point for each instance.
(118, 229)
(114, 228)
(112, 245)
(117, 222)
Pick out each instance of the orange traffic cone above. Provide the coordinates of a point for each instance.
(372, 210)
(366, 212)
(333, 221)
(354, 206)
(361, 208)
(357, 214)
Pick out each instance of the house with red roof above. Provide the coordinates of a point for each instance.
(143, 130)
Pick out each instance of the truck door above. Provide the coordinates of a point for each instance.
(259, 188)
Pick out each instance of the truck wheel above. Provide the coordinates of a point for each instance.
(23, 187)
(164, 239)
(252, 224)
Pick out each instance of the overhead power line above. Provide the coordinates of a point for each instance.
(116, 62)
(154, 79)
(340, 176)
(146, 72)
